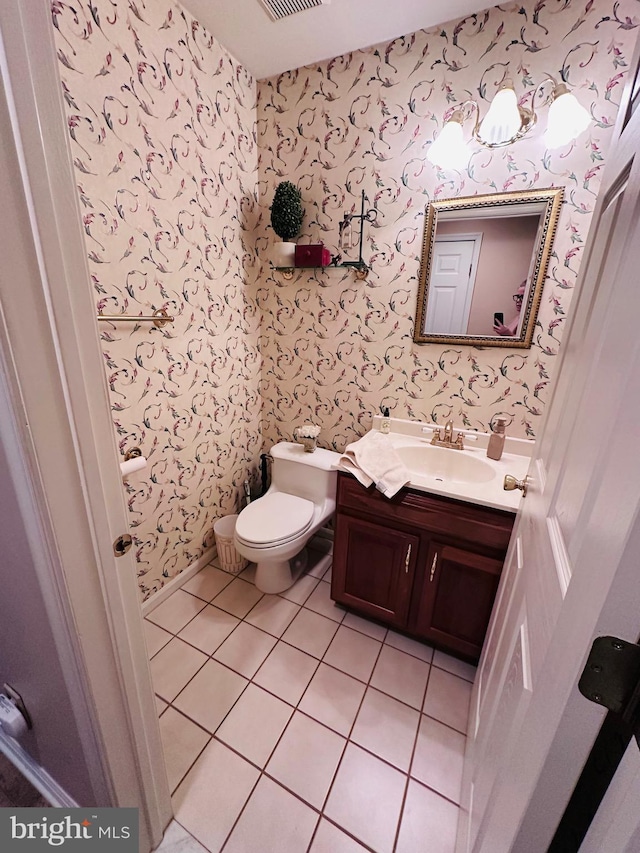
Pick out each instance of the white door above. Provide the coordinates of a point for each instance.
(450, 286)
(572, 569)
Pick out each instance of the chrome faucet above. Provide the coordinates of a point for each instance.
(446, 439)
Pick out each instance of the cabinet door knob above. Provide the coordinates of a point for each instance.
(407, 558)
(433, 567)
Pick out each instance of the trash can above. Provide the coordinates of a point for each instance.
(228, 557)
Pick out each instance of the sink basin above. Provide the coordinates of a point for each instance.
(444, 465)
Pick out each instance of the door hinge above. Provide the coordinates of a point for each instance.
(611, 678)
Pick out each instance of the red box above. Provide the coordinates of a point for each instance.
(312, 255)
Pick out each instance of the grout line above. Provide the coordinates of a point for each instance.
(204, 847)
(411, 760)
(348, 738)
(342, 829)
(186, 773)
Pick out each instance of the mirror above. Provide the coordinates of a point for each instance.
(484, 261)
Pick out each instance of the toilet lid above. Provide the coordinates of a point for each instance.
(273, 519)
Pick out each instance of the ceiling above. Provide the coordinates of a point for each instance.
(267, 47)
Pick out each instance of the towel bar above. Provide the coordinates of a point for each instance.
(159, 318)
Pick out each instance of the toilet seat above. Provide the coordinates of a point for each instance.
(275, 519)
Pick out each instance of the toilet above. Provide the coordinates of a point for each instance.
(273, 531)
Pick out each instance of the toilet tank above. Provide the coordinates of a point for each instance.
(309, 475)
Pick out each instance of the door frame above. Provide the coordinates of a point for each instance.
(61, 438)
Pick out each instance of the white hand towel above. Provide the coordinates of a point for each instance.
(373, 459)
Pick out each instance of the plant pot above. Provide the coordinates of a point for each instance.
(284, 255)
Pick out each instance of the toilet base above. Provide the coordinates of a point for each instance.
(274, 576)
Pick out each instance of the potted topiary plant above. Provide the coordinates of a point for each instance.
(287, 214)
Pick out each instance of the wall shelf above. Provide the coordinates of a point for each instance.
(361, 269)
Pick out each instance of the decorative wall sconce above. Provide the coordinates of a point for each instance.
(348, 240)
(507, 121)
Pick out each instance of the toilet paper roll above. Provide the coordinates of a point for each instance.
(135, 464)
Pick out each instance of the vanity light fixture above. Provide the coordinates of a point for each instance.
(507, 121)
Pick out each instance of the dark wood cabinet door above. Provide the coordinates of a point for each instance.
(373, 569)
(458, 590)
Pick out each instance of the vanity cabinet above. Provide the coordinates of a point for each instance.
(425, 565)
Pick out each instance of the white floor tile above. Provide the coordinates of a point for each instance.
(209, 629)
(387, 728)
(401, 675)
(173, 666)
(411, 647)
(238, 598)
(333, 698)
(365, 626)
(208, 582)
(182, 742)
(363, 783)
(439, 758)
(448, 699)
(178, 840)
(302, 749)
(330, 839)
(457, 667)
(427, 816)
(174, 613)
(310, 632)
(286, 672)
(254, 724)
(320, 601)
(210, 798)
(210, 695)
(273, 614)
(155, 637)
(273, 820)
(245, 649)
(302, 589)
(306, 759)
(353, 653)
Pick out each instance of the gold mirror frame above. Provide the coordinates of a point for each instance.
(551, 199)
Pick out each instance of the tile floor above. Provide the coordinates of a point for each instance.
(291, 725)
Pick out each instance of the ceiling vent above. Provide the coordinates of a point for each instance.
(278, 9)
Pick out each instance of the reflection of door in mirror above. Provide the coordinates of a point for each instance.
(453, 272)
(507, 249)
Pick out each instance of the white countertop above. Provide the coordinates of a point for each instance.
(515, 461)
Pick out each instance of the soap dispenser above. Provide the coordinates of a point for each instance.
(496, 439)
(385, 423)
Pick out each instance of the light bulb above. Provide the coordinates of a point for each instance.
(567, 119)
(449, 150)
(503, 121)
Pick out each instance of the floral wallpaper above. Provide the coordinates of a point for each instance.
(177, 154)
(336, 349)
(162, 127)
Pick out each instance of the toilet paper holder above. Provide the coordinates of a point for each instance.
(132, 453)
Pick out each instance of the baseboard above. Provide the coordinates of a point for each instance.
(178, 581)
